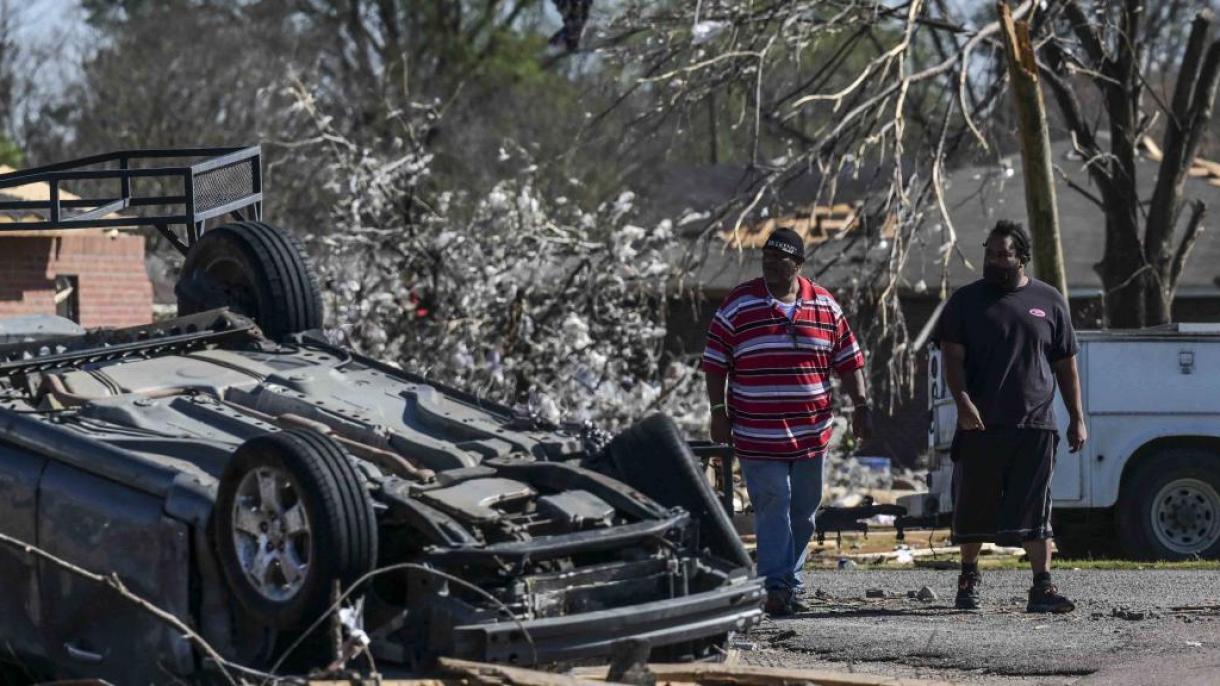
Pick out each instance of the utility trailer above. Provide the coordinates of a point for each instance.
(1147, 483)
(208, 203)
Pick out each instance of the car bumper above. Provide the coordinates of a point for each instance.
(592, 634)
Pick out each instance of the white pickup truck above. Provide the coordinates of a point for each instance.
(1147, 483)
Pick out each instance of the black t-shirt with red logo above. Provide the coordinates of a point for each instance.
(1011, 338)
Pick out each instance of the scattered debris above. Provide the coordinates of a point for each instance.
(1132, 615)
(874, 593)
(926, 594)
(783, 636)
(937, 564)
(740, 643)
(629, 663)
(845, 563)
(915, 554)
(1197, 609)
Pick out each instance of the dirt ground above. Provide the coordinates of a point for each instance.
(1135, 623)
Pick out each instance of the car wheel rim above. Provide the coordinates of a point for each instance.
(271, 533)
(1186, 516)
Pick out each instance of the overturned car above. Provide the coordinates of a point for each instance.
(239, 472)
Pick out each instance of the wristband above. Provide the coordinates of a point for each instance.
(718, 406)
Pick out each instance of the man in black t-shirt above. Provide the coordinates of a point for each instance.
(1006, 340)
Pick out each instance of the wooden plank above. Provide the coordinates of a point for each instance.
(761, 676)
(483, 673)
(1213, 168)
(1154, 150)
(388, 682)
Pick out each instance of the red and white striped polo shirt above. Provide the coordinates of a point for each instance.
(779, 368)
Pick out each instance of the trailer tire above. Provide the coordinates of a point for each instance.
(254, 269)
(292, 517)
(652, 457)
(1169, 506)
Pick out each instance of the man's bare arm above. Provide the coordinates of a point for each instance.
(854, 386)
(953, 356)
(861, 418)
(715, 388)
(1068, 377)
(718, 423)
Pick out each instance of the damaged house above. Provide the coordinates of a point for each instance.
(95, 277)
(977, 196)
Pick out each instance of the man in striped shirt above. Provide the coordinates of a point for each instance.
(775, 340)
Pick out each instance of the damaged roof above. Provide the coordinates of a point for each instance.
(977, 196)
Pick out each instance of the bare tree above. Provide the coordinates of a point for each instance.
(829, 90)
(10, 82)
(823, 88)
(1142, 261)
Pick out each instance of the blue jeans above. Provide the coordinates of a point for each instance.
(785, 496)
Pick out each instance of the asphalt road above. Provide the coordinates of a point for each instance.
(1125, 629)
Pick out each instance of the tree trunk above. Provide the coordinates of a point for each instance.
(1123, 276)
(1123, 283)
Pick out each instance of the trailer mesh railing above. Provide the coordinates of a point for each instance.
(223, 185)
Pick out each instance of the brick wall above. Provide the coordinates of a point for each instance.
(114, 288)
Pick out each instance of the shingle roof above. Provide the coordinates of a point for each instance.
(977, 196)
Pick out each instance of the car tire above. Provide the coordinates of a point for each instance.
(1169, 506)
(652, 457)
(292, 517)
(254, 269)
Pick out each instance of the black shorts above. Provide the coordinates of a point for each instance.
(1002, 485)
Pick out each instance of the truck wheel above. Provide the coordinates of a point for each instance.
(653, 458)
(254, 269)
(292, 517)
(1169, 508)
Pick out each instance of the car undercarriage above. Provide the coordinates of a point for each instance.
(470, 531)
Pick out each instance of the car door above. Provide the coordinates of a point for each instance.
(20, 609)
(107, 527)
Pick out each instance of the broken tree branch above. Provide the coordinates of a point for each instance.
(1085, 32)
(1035, 151)
(1194, 227)
(1192, 98)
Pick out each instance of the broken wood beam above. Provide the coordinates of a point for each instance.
(761, 676)
(486, 673)
(1036, 159)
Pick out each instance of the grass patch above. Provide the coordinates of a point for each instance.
(950, 561)
(1065, 564)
